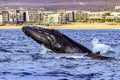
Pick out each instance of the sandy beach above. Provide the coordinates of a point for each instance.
(72, 26)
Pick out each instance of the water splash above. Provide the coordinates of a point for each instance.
(43, 50)
(99, 47)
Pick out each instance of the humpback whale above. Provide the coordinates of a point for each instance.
(58, 42)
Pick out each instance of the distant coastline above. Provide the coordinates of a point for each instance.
(72, 26)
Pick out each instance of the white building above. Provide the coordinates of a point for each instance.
(96, 15)
(116, 15)
(1, 18)
(5, 16)
(52, 19)
(48, 12)
(12, 15)
(32, 15)
(117, 7)
(16, 16)
(64, 16)
(77, 15)
(85, 15)
(82, 15)
(70, 16)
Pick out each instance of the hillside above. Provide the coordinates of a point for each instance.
(62, 4)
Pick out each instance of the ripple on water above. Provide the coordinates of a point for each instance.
(23, 55)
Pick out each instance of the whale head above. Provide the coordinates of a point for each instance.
(49, 38)
(54, 40)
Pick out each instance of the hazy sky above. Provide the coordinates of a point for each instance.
(58, 2)
(61, 3)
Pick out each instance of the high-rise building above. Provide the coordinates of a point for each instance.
(31, 15)
(1, 18)
(5, 16)
(70, 16)
(53, 19)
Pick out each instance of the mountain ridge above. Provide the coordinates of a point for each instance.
(62, 4)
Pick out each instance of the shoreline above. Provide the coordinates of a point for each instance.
(71, 26)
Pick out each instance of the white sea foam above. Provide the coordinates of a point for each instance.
(43, 50)
(99, 47)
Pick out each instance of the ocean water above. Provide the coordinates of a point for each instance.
(21, 58)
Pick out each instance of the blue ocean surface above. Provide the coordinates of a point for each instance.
(22, 58)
